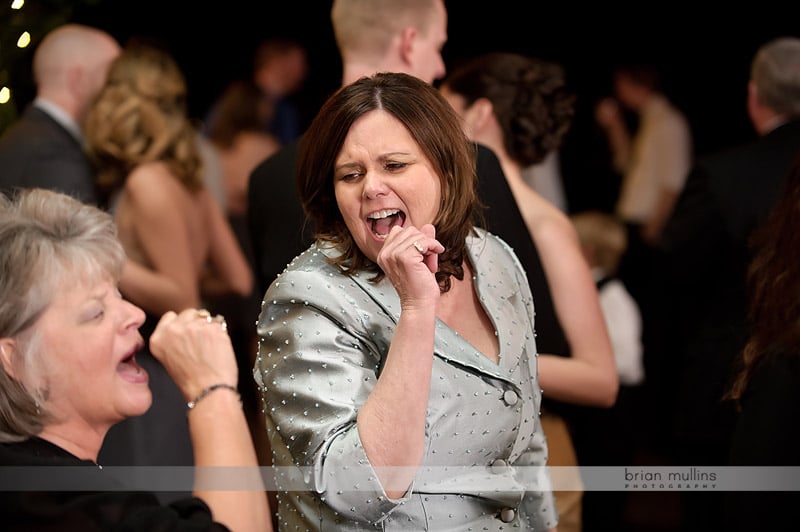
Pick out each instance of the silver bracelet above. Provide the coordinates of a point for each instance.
(193, 403)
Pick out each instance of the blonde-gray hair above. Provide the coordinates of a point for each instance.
(775, 71)
(47, 239)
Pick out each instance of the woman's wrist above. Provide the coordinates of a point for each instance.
(205, 392)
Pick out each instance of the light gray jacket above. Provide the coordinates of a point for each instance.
(323, 340)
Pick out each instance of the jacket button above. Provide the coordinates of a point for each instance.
(510, 397)
(499, 466)
(507, 515)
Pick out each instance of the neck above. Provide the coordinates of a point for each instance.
(352, 71)
(82, 442)
(63, 102)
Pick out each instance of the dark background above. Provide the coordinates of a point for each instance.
(704, 58)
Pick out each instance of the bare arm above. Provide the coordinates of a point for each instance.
(589, 375)
(198, 354)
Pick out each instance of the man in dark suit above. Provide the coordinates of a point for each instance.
(704, 255)
(43, 148)
(372, 36)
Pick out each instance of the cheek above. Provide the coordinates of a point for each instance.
(347, 201)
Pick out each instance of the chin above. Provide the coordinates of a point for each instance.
(137, 406)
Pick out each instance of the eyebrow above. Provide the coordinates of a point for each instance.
(346, 166)
(382, 157)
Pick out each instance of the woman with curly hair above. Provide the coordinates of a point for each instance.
(178, 241)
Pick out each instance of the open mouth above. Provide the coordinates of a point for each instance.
(129, 369)
(382, 222)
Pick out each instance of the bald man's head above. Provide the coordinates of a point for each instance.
(70, 66)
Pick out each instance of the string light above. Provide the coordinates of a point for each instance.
(5, 95)
(17, 4)
(24, 40)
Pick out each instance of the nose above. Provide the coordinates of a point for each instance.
(374, 185)
(134, 315)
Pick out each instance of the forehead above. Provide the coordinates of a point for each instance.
(379, 131)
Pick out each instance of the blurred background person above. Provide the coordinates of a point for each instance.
(44, 146)
(69, 344)
(238, 135)
(704, 252)
(603, 239)
(521, 108)
(766, 387)
(180, 245)
(280, 67)
(653, 160)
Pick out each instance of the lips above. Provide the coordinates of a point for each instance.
(381, 222)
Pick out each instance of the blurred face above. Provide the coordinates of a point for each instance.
(628, 92)
(89, 336)
(428, 64)
(382, 179)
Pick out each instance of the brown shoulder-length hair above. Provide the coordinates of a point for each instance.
(437, 130)
(774, 286)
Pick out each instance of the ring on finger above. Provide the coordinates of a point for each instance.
(219, 318)
(418, 246)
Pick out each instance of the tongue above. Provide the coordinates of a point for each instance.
(130, 369)
(382, 226)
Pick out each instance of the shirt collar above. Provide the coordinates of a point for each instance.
(60, 116)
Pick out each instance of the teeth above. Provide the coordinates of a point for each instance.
(382, 214)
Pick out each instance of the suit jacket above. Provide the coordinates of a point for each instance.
(704, 255)
(324, 338)
(37, 151)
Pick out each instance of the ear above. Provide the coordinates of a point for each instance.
(407, 37)
(8, 346)
(752, 93)
(479, 114)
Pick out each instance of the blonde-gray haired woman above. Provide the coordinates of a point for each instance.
(68, 373)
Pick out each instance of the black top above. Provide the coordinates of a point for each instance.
(767, 434)
(78, 509)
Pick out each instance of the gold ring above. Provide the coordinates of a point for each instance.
(203, 313)
(418, 246)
